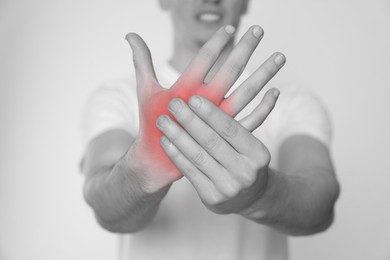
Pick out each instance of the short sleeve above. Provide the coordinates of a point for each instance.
(304, 114)
(111, 106)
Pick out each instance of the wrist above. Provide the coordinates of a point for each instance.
(261, 207)
(149, 179)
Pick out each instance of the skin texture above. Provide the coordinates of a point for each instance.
(128, 176)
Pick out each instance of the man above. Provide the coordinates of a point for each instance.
(247, 181)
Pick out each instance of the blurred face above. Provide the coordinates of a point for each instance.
(197, 20)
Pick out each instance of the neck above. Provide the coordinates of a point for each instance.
(185, 51)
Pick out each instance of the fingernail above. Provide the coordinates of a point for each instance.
(280, 59)
(276, 93)
(175, 106)
(230, 29)
(195, 102)
(164, 141)
(257, 31)
(163, 121)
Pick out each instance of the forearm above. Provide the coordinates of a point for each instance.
(118, 199)
(298, 204)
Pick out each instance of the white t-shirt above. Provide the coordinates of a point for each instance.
(184, 228)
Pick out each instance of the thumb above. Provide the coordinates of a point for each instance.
(144, 71)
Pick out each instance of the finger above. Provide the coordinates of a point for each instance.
(261, 111)
(201, 183)
(209, 192)
(191, 149)
(146, 77)
(234, 65)
(196, 72)
(228, 128)
(204, 135)
(253, 85)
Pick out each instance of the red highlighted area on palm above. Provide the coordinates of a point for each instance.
(155, 104)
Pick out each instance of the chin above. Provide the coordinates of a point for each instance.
(201, 40)
(202, 35)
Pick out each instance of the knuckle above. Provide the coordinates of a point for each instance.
(230, 189)
(263, 157)
(140, 59)
(186, 117)
(249, 175)
(250, 42)
(235, 68)
(172, 152)
(135, 62)
(269, 70)
(268, 105)
(266, 158)
(189, 172)
(145, 56)
(214, 199)
(212, 141)
(175, 134)
(205, 109)
(207, 54)
(231, 130)
(137, 65)
(199, 157)
(251, 92)
(248, 180)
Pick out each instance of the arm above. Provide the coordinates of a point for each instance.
(299, 199)
(127, 177)
(111, 187)
(229, 167)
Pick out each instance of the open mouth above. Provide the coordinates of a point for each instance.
(209, 17)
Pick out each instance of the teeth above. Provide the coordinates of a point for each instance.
(210, 17)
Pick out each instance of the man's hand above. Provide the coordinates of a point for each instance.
(157, 169)
(227, 165)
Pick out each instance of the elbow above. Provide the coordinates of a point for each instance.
(320, 226)
(105, 217)
(327, 217)
(116, 224)
(328, 221)
(110, 226)
(119, 227)
(113, 218)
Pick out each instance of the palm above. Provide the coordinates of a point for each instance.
(155, 104)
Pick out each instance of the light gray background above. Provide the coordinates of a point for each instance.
(54, 53)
